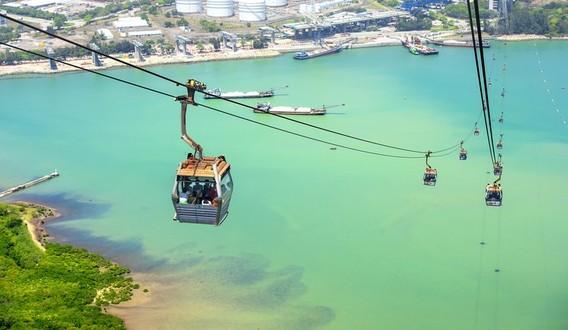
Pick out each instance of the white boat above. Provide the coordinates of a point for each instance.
(265, 107)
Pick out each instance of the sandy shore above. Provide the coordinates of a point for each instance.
(34, 216)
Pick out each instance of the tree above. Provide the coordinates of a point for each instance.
(59, 21)
(168, 24)
(199, 47)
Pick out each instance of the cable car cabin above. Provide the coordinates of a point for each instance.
(430, 176)
(493, 195)
(497, 169)
(196, 190)
(463, 154)
(499, 144)
(476, 131)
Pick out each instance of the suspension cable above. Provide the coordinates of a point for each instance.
(225, 99)
(306, 136)
(88, 70)
(89, 49)
(481, 75)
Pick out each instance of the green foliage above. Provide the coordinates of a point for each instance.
(8, 34)
(31, 12)
(182, 22)
(209, 26)
(459, 10)
(55, 289)
(550, 19)
(421, 22)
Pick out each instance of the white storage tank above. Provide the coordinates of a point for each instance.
(220, 8)
(276, 3)
(252, 10)
(188, 6)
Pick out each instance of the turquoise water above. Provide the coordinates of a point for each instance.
(315, 237)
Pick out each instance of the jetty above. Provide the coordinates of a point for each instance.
(28, 184)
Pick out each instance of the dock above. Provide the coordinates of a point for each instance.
(28, 184)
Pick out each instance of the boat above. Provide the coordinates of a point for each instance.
(265, 107)
(303, 55)
(413, 51)
(418, 48)
(216, 93)
(458, 43)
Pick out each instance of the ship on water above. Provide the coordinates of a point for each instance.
(216, 93)
(415, 46)
(265, 107)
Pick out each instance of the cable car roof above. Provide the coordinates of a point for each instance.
(203, 167)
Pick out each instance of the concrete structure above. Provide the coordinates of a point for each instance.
(129, 23)
(95, 56)
(147, 33)
(266, 32)
(182, 41)
(252, 10)
(188, 6)
(220, 8)
(348, 22)
(2, 19)
(317, 7)
(51, 54)
(39, 3)
(106, 33)
(137, 47)
(276, 3)
(229, 37)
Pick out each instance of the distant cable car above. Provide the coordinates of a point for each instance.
(501, 119)
(203, 185)
(500, 142)
(493, 195)
(497, 168)
(463, 152)
(430, 175)
(476, 130)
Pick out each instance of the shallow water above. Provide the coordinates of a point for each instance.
(315, 237)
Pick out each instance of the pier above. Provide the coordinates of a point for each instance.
(28, 184)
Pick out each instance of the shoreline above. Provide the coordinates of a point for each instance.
(37, 214)
(363, 41)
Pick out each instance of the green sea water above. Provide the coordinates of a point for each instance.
(315, 238)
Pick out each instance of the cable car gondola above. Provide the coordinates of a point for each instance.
(493, 195)
(203, 185)
(497, 168)
(501, 119)
(430, 175)
(500, 142)
(476, 130)
(463, 152)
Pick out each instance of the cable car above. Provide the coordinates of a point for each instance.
(430, 175)
(500, 142)
(463, 152)
(497, 168)
(203, 186)
(476, 131)
(493, 195)
(501, 119)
